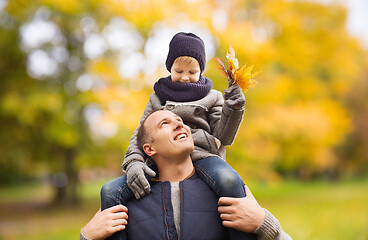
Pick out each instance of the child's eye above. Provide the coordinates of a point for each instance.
(179, 71)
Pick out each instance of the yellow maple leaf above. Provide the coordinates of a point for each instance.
(242, 76)
(245, 78)
(233, 61)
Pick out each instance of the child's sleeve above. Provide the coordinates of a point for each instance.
(225, 121)
(134, 152)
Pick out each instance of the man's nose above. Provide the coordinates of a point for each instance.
(178, 125)
(185, 77)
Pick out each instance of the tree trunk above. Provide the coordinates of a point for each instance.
(66, 182)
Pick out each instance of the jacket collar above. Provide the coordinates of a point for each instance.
(189, 176)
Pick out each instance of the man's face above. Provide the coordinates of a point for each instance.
(170, 136)
(185, 71)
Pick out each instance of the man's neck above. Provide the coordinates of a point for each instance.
(175, 171)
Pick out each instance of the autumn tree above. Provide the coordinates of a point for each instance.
(76, 76)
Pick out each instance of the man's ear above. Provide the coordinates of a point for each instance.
(149, 149)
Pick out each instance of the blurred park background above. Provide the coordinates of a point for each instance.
(75, 76)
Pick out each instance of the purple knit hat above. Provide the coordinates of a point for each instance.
(186, 44)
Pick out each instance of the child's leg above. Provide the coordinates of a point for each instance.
(220, 176)
(115, 192)
(226, 182)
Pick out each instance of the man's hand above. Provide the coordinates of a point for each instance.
(234, 97)
(243, 214)
(106, 223)
(136, 180)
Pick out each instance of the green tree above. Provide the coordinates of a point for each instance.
(67, 100)
(43, 111)
(297, 115)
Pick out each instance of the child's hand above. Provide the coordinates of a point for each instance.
(136, 180)
(234, 97)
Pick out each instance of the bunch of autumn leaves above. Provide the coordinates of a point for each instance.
(242, 76)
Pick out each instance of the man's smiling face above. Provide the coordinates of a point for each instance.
(171, 137)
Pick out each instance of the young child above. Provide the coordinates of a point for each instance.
(214, 121)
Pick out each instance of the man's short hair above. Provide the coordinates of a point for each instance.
(143, 135)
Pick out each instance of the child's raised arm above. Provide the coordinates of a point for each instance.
(232, 113)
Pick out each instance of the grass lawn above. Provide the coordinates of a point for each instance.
(306, 210)
(319, 210)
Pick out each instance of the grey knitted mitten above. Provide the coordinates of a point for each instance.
(234, 97)
(136, 180)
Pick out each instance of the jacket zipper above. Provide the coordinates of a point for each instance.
(179, 211)
(163, 201)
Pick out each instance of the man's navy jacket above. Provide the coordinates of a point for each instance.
(152, 217)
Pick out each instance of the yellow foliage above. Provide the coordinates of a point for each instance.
(242, 76)
(295, 117)
(67, 6)
(132, 105)
(302, 134)
(62, 134)
(107, 69)
(13, 104)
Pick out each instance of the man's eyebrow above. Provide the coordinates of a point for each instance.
(162, 120)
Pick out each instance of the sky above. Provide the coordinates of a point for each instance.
(357, 22)
(118, 29)
(357, 19)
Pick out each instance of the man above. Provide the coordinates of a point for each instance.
(181, 205)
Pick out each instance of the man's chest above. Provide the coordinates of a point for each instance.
(154, 216)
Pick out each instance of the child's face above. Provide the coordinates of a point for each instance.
(185, 71)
